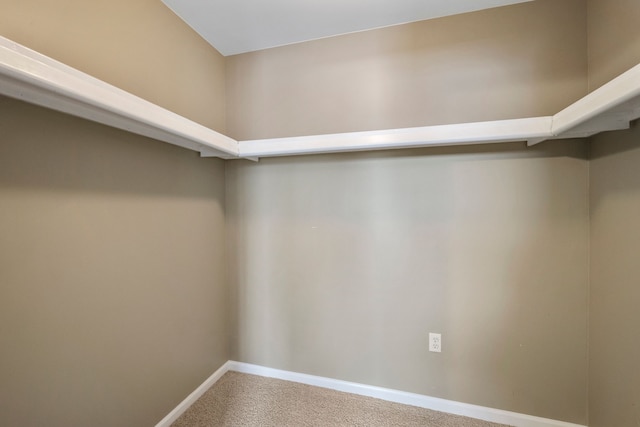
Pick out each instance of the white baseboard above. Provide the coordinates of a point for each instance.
(195, 395)
(433, 403)
(449, 406)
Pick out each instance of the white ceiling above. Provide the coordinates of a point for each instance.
(238, 26)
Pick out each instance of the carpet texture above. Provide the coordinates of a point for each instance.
(248, 400)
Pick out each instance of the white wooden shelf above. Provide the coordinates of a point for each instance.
(35, 78)
(611, 107)
(458, 134)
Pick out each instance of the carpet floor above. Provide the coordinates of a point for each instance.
(248, 400)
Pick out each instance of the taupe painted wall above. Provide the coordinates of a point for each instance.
(113, 297)
(139, 46)
(614, 349)
(614, 376)
(510, 62)
(614, 39)
(344, 263)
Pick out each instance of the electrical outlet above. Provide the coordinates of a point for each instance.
(435, 342)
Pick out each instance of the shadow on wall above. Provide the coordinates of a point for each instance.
(614, 347)
(614, 147)
(346, 262)
(78, 155)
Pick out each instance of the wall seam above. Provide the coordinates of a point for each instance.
(588, 43)
(588, 373)
(589, 160)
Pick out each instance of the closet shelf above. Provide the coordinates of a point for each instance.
(35, 78)
(611, 107)
(531, 129)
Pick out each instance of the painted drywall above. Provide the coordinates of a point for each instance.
(344, 263)
(614, 39)
(113, 298)
(139, 46)
(614, 377)
(510, 62)
(614, 348)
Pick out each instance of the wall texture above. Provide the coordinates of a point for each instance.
(614, 384)
(511, 62)
(139, 46)
(614, 39)
(344, 263)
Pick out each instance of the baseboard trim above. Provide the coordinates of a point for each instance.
(195, 395)
(422, 401)
(449, 406)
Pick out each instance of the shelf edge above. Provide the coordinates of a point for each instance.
(35, 78)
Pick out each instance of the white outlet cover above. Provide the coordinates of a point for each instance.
(435, 342)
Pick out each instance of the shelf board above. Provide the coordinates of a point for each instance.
(456, 134)
(35, 78)
(613, 106)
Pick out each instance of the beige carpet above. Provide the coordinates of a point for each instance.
(249, 400)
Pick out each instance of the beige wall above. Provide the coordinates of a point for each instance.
(113, 298)
(139, 46)
(614, 379)
(510, 62)
(113, 295)
(344, 263)
(614, 39)
(614, 384)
